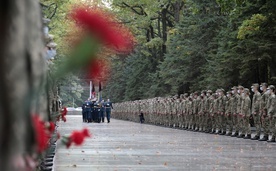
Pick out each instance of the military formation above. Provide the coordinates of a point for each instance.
(228, 113)
(95, 111)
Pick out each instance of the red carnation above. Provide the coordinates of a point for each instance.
(99, 24)
(52, 127)
(76, 137)
(41, 135)
(86, 132)
(64, 111)
(98, 68)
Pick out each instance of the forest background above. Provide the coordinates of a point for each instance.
(180, 46)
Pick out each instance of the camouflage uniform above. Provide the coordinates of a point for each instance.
(246, 111)
(271, 106)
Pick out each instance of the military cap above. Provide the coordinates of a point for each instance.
(221, 90)
(240, 87)
(229, 92)
(255, 85)
(186, 94)
(246, 90)
(264, 84)
(233, 88)
(209, 91)
(204, 91)
(271, 87)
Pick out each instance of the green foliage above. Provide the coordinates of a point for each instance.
(184, 46)
(251, 26)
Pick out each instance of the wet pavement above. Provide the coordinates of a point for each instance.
(122, 145)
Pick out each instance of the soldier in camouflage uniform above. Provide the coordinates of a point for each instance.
(263, 111)
(221, 111)
(195, 111)
(271, 112)
(190, 112)
(239, 110)
(255, 110)
(214, 112)
(200, 106)
(208, 109)
(228, 111)
(246, 112)
(235, 112)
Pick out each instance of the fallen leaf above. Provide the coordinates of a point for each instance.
(219, 149)
(165, 164)
(74, 165)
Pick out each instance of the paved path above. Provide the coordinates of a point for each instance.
(123, 145)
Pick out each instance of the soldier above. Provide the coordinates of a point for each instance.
(263, 109)
(185, 111)
(200, 112)
(228, 112)
(86, 110)
(190, 112)
(221, 109)
(208, 104)
(245, 114)
(83, 113)
(108, 107)
(255, 110)
(235, 118)
(239, 110)
(214, 113)
(271, 107)
(102, 111)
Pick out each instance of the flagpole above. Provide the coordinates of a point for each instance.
(90, 89)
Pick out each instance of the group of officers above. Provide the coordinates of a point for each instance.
(226, 113)
(95, 111)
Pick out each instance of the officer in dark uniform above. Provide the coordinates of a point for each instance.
(94, 111)
(108, 107)
(87, 111)
(102, 111)
(98, 112)
(83, 113)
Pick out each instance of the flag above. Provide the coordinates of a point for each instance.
(93, 91)
(100, 91)
(100, 87)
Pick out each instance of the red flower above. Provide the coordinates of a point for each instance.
(64, 111)
(63, 118)
(52, 127)
(76, 137)
(85, 132)
(100, 25)
(97, 69)
(41, 135)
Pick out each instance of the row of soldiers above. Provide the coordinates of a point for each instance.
(95, 111)
(225, 113)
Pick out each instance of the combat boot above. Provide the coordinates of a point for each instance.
(219, 132)
(256, 137)
(248, 136)
(272, 139)
(223, 133)
(235, 134)
(241, 136)
(229, 133)
(265, 138)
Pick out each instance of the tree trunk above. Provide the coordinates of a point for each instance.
(164, 31)
(22, 69)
